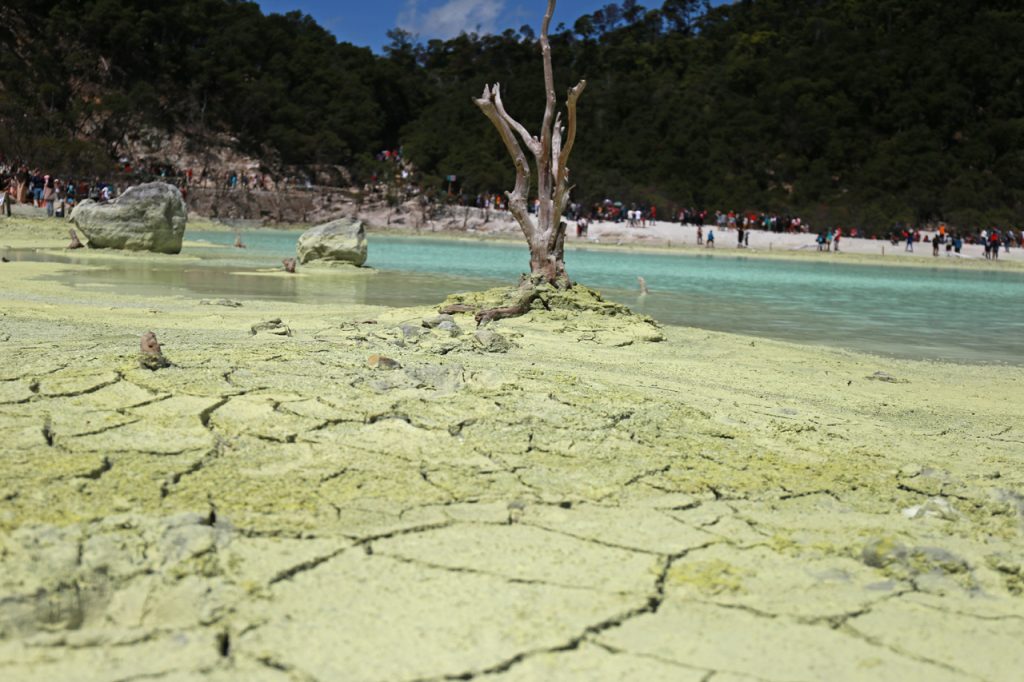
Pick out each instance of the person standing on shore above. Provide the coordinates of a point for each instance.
(700, 235)
(739, 238)
(49, 194)
(711, 238)
(839, 233)
(910, 242)
(22, 177)
(7, 196)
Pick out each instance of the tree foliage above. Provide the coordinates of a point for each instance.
(848, 111)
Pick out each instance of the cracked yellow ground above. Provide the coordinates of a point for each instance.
(589, 505)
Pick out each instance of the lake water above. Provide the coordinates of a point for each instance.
(919, 312)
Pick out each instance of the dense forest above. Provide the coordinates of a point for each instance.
(860, 112)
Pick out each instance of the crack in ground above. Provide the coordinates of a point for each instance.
(175, 478)
(95, 474)
(964, 614)
(499, 576)
(659, 659)
(104, 429)
(603, 543)
(207, 414)
(651, 606)
(790, 495)
(309, 565)
(363, 542)
(850, 630)
(84, 391)
(900, 485)
(333, 475)
(425, 475)
(645, 474)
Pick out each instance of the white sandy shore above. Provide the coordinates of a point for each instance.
(480, 223)
(665, 232)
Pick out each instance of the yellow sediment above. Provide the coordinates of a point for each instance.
(606, 499)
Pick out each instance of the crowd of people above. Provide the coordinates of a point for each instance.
(20, 184)
(23, 184)
(952, 242)
(26, 184)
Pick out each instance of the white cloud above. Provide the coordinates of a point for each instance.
(451, 18)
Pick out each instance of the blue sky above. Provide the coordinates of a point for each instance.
(366, 22)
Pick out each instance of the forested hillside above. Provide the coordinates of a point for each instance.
(855, 111)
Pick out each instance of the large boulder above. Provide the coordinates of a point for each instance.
(147, 217)
(339, 241)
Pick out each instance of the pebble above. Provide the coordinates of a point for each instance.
(382, 362)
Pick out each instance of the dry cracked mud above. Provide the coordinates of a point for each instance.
(587, 504)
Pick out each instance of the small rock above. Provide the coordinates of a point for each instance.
(75, 242)
(885, 376)
(491, 341)
(516, 508)
(434, 322)
(937, 559)
(450, 327)
(382, 362)
(151, 357)
(410, 331)
(936, 507)
(881, 551)
(274, 326)
(221, 301)
(447, 377)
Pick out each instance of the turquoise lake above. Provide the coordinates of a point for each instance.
(924, 313)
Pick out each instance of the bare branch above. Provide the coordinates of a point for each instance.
(518, 196)
(556, 148)
(531, 142)
(570, 105)
(544, 179)
(549, 79)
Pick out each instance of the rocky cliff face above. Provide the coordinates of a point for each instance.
(305, 206)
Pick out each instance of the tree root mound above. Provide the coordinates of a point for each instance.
(577, 310)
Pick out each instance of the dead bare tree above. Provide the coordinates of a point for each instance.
(545, 234)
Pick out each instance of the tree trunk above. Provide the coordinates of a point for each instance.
(545, 234)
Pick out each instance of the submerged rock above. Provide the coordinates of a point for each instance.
(339, 241)
(147, 217)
